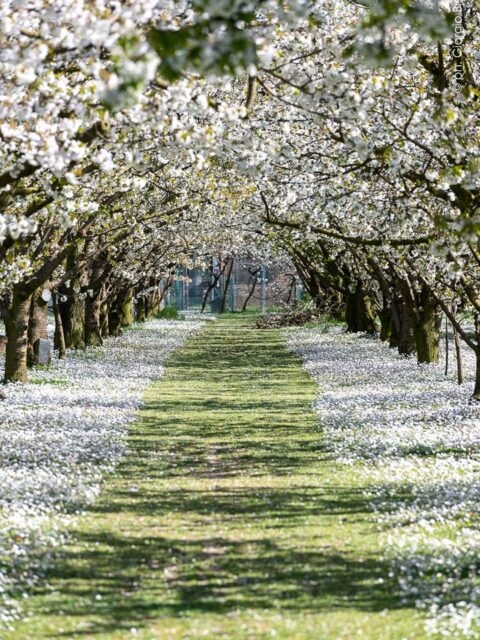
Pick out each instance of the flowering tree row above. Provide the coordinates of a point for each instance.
(101, 195)
(368, 177)
(345, 136)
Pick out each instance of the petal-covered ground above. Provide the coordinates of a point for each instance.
(413, 432)
(60, 434)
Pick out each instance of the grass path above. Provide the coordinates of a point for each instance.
(227, 520)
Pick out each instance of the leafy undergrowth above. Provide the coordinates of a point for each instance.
(228, 519)
(411, 432)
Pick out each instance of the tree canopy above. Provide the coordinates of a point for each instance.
(142, 135)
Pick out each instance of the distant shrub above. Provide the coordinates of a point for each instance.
(169, 313)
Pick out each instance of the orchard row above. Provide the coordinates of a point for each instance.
(139, 136)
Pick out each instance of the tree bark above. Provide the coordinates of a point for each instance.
(215, 275)
(104, 319)
(152, 302)
(476, 391)
(164, 287)
(226, 286)
(37, 324)
(447, 347)
(72, 311)
(59, 340)
(359, 312)
(72, 305)
(402, 335)
(458, 356)
(115, 314)
(427, 333)
(93, 336)
(386, 323)
(252, 285)
(127, 309)
(17, 336)
(140, 311)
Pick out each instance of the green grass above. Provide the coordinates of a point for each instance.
(169, 313)
(60, 382)
(228, 519)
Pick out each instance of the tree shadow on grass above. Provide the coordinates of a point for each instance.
(140, 580)
(231, 450)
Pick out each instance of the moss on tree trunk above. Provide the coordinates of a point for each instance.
(427, 333)
(72, 311)
(140, 312)
(127, 309)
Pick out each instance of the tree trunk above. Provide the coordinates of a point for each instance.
(104, 319)
(359, 312)
(150, 305)
(458, 355)
(228, 277)
(17, 337)
(292, 294)
(72, 305)
(447, 347)
(476, 392)
(72, 311)
(252, 283)
(93, 336)
(59, 340)
(406, 338)
(216, 273)
(402, 336)
(37, 324)
(386, 323)
(152, 302)
(115, 315)
(140, 310)
(164, 287)
(127, 309)
(427, 333)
